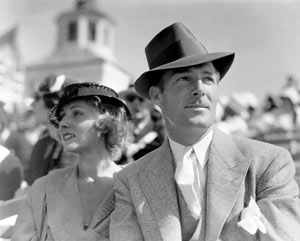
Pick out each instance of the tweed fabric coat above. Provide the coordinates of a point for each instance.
(238, 168)
(52, 211)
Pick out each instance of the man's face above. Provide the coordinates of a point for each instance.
(134, 103)
(139, 107)
(40, 109)
(189, 98)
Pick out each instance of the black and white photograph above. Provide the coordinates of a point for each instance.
(149, 120)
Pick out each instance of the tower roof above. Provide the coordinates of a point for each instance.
(87, 7)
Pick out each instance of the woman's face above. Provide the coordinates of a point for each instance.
(77, 127)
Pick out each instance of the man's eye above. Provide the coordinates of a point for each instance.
(208, 80)
(182, 79)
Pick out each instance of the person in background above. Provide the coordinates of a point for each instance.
(11, 168)
(148, 127)
(47, 153)
(21, 136)
(270, 103)
(75, 203)
(11, 173)
(201, 184)
(282, 120)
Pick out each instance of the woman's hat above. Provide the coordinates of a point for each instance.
(176, 47)
(50, 88)
(83, 90)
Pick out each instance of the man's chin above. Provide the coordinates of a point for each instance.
(201, 122)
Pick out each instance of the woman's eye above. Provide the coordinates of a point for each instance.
(77, 113)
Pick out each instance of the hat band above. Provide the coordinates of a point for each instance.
(87, 91)
(180, 49)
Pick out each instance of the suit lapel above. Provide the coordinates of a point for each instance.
(63, 205)
(227, 168)
(157, 181)
(104, 210)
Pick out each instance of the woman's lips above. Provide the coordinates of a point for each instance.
(68, 136)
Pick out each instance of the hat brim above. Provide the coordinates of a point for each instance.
(53, 113)
(221, 61)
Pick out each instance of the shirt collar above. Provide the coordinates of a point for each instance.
(201, 148)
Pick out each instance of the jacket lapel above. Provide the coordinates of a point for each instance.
(227, 169)
(104, 210)
(63, 205)
(157, 181)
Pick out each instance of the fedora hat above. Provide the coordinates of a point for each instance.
(176, 47)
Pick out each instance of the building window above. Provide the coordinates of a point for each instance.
(92, 31)
(106, 36)
(72, 31)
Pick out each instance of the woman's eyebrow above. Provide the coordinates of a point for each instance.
(76, 106)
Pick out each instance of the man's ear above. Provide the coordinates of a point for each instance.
(155, 95)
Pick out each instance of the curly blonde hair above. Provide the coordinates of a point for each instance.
(113, 122)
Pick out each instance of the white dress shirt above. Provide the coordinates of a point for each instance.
(201, 148)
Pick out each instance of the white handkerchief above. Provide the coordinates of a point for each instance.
(251, 218)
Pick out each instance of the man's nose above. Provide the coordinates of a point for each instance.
(198, 87)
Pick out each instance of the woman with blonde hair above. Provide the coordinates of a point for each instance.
(75, 203)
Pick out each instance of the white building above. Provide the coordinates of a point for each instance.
(11, 70)
(84, 49)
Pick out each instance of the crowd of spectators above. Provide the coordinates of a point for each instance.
(278, 115)
(275, 119)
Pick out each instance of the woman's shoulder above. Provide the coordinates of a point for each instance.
(62, 172)
(56, 175)
(39, 183)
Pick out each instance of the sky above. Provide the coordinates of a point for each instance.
(264, 34)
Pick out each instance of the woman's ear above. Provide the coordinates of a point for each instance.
(155, 95)
(101, 127)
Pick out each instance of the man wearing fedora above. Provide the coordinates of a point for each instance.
(201, 184)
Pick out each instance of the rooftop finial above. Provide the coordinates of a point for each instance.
(85, 4)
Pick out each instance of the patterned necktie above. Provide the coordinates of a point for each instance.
(187, 179)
